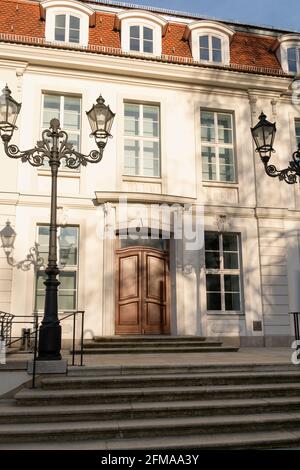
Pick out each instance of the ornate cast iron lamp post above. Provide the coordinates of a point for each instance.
(53, 148)
(264, 135)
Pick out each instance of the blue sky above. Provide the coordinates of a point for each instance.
(283, 14)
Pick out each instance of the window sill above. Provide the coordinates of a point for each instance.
(220, 184)
(65, 174)
(142, 179)
(219, 313)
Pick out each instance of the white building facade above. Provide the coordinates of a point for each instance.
(181, 145)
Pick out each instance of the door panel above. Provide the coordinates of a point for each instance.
(128, 293)
(142, 281)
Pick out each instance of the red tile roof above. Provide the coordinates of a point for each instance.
(22, 17)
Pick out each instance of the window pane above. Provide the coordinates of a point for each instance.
(232, 283)
(60, 28)
(51, 109)
(68, 244)
(212, 260)
(212, 241)
(148, 34)
(224, 128)
(132, 114)
(216, 43)
(213, 301)
(131, 157)
(203, 41)
(213, 283)
(72, 113)
(204, 54)
(216, 56)
(74, 22)
(148, 47)
(135, 32)
(134, 44)
(209, 171)
(231, 261)
(207, 126)
(292, 59)
(74, 30)
(232, 302)
(151, 119)
(151, 159)
(67, 280)
(297, 128)
(67, 300)
(230, 242)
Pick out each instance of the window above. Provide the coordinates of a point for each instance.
(67, 28)
(222, 263)
(141, 39)
(68, 258)
(217, 146)
(297, 129)
(141, 141)
(210, 48)
(67, 21)
(68, 110)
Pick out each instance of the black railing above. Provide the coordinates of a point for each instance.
(296, 316)
(32, 346)
(6, 320)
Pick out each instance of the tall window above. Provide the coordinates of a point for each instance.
(210, 48)
(67, 28)
(297, 129)
(68, 110)
(217, 146)
(67, 241)
(141, 39)
(141, 141)
(293, 55)
(222, 263)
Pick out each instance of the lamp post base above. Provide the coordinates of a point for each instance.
(49, 342)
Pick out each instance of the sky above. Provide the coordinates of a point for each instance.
(282, 14)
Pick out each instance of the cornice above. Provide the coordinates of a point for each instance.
(133, 67)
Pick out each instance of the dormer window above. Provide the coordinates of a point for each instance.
(288, 52)
(141, 39)
(67, 21)
(141, 32)
(67, 28)
(210, 48)
(209, 41)
(293, 56)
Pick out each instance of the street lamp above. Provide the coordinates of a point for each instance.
(264, 135)
(53, 147)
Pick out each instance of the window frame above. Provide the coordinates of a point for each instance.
(67, 27)
(210, 36)
(216, 145)
(222, 272)
(141, 38)
(72, 268)
(141, 21)
(141, 139)
(61, 120)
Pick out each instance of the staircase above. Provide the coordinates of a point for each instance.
(157, 407)
(153, 344)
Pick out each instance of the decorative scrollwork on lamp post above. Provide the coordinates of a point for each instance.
(264, 135)
(53, 148)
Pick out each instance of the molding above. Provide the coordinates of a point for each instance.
(69, 5)
(146, 198)
(149, 69)
(213, 26)
(141, 15)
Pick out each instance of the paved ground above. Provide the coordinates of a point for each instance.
(243, 356)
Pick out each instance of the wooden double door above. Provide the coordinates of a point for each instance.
(142, 291)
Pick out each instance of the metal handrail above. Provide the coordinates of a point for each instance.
(34, 333)
(6, 326)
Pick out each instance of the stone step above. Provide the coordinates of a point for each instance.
(154, 394)
(158, 350)
(165, 369)
(142, 338)
(183, 380)
(121, 429)
(275, 439)
(9, 413)
(150, 344)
